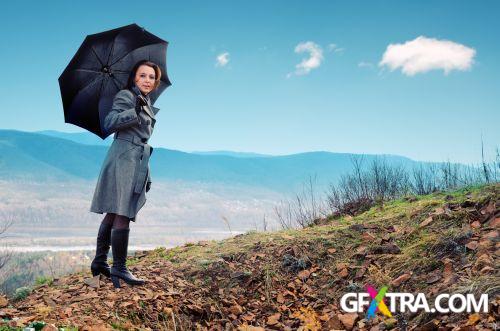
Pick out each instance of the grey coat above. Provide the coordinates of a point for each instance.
(121, 187)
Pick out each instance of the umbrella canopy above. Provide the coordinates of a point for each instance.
(101, 67)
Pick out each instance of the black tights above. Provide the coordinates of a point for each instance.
(117, 221)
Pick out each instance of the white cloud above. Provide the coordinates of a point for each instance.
(364, 64)
(335, 48)
(222, 59)
(312, 62)
(423, 54)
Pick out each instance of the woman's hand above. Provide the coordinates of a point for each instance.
(140, 101)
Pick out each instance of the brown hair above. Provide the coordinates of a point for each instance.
(131, 77)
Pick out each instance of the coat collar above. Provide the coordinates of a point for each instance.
(136, 90)
(150, 110)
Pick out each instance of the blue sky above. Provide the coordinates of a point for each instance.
(256, 100)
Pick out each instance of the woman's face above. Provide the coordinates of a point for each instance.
(145, 79)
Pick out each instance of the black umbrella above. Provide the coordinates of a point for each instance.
(100, 68)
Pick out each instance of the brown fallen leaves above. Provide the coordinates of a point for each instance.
(290, 282)
(401, 279)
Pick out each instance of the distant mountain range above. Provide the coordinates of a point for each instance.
(87, 138)
(53, 155)
(233, 154)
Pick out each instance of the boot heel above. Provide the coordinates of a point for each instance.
(116, 281)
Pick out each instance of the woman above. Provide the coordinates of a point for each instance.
(124, 178)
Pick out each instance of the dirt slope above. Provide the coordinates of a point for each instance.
(293, 280)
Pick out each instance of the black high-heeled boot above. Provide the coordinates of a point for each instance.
(119, 244)
(100, 263)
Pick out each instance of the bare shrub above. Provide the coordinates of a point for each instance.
(303, 209)
(424, 179)
(364, 187)
(368, 185)
(5, 223)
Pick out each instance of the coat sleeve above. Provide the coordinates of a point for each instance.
(149, 169)
(122, 114)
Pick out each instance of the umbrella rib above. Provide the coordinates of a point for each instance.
(100, 72)
(122, 57)
(92, 82)
(114, 82)
(86, 70)
(112, 49)
(97, 56)
(131, 52)
(100, 89)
